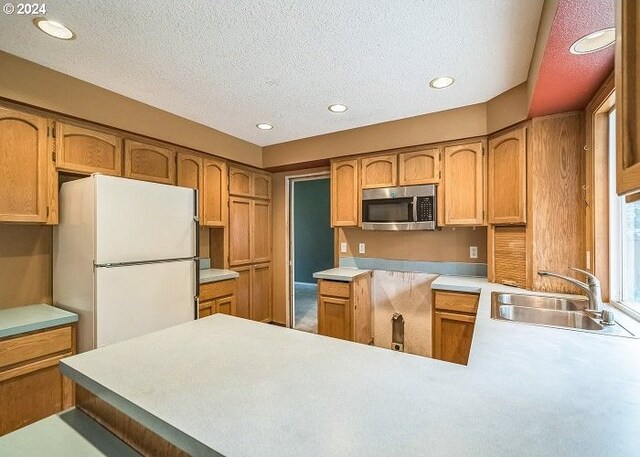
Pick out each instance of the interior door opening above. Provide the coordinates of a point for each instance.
(312, 246)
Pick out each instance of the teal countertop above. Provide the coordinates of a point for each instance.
(68, 434)
(23, 319)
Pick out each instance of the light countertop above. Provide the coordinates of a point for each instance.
(67, 434)
(23, 319)
(214, 274)
(340, 274)
(271, 391)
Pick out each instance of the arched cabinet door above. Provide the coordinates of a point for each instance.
(85, 151)
(419, 167)
(215, 198)
(345, 194)
(23, 167)
(464, 184)
(379, 171)
(149, 163)
(507, 190)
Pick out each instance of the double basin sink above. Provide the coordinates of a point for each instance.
(567, 313)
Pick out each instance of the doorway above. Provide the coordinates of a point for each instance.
(312, 245)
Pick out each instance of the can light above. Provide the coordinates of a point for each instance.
(264, 126)
(441, 82)
(54, 28)
(338, 108)
(594, 41)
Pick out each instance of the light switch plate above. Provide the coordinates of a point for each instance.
(343, 247)
(473, 252)
(361, 248)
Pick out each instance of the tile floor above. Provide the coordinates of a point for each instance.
(306, 306)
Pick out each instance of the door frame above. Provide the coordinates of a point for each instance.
(289, 182)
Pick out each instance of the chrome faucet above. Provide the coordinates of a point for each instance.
(591, 287)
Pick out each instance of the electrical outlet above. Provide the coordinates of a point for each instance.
(361, 248)
(473, 252)
(343, 247)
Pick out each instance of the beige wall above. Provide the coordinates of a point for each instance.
(25, 265)
(26, 82)
(446, 245)
(507, 108)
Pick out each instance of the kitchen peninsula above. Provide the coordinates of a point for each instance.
(228, 386)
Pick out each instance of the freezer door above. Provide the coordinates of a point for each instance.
(138, 221)
(137, 299)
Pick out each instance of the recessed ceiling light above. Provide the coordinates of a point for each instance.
(54, 29)
(338, 108)
(264, 126)
(595, 41)
(441, 82)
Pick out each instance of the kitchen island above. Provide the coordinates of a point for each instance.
(228, 386)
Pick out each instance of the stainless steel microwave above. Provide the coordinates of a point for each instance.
(399, 208)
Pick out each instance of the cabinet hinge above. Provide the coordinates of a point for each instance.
(47, 212)
(483, 215)
(440, 174)
(53, 155)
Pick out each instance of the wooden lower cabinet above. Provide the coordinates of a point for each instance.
(454, 319)
(344, 309)
(31, 384)
(217, 297)
(254, 297)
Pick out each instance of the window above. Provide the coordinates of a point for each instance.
(624, 248)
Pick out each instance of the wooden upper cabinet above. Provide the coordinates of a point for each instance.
(240, 228)
(464, 184)
(261, 185)
(507, 180)
(261, 292)
(149, 163)
(189, 171)
(345, 194)
(260, 231)
(24, 163)
(379, 171)
(240, 182)
(215, 198)
(627, 96)
(82, 150)
(419, 167)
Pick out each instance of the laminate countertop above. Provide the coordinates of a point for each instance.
(214, 275)
(29, 318)
(228, 386)
(340, 274)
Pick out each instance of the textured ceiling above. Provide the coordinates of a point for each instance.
(232, 64)
(566, 81)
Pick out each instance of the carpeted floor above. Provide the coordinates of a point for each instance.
(306, 306)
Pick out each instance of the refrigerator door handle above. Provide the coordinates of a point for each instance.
(196, 259)
(140, 262)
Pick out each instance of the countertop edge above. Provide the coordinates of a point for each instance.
(42, 325)
(339, 277)
(166, 431)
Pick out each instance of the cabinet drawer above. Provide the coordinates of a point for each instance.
(334, 288)
(217, 289)
(453, 301)
(34, 345)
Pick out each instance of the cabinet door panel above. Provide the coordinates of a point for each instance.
(452, 336)
(379, 171)
(23, 167)
(261, 231)
(189, 171)
(149, 163)
(240, 230)
(507, 178)
(261, 292)
(243, 292)
(261, 186)
(226, 305)
(86, 151)
(206, 308)
(240, 182)
(345, 195)
(334, 317)
(419, 167)
(214, 195)
(464, 184)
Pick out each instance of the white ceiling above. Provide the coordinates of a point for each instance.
(231, 64)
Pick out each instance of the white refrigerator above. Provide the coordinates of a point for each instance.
(125, 257)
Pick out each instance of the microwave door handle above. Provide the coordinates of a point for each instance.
(415, 209)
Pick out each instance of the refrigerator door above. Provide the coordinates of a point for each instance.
(139, 221)
(137, 299)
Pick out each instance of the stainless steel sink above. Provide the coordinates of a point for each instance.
(550, 312)
(537, 301)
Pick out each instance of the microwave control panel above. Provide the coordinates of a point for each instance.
(425, 209)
